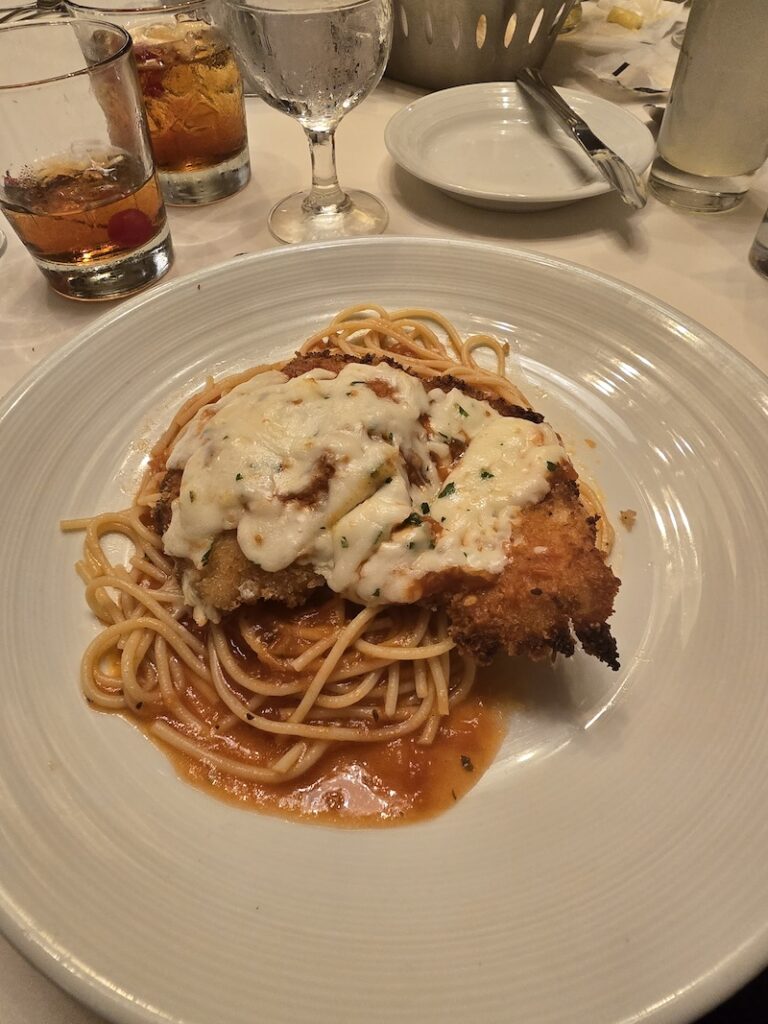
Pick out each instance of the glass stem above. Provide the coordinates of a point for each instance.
(326, 195)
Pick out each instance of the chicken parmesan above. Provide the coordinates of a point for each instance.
(327, 548)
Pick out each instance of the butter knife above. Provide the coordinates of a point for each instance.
(613, 168)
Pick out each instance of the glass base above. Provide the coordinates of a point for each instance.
(695, 192)
(112, 279)
(207, 185)
(290, 221)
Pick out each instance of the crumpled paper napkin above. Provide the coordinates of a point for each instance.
(643, 59)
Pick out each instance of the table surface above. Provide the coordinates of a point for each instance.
(696, 264)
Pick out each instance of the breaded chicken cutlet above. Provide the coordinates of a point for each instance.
(555, 587)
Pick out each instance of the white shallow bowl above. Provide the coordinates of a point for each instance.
(492, 145)
(610, 866)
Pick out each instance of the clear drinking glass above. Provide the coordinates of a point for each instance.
(193, 93)
(77, 181)
(714, 134)
(315, 60)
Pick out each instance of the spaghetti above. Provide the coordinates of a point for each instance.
(266, 692)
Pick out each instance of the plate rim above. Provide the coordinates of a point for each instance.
(658, 306)
(511, 199)
(57, 963)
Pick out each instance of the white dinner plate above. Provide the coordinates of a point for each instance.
(492, 145)
(609, 867)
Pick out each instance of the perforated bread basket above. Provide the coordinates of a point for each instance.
(440, 43)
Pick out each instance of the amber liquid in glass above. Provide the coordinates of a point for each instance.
(194, 98)
(81, 211)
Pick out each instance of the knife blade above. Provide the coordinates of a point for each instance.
(611, 166)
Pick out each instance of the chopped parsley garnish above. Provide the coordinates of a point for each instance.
(551, 466)
(344, 542)
(466, 763)
(485, 475)
(447, 490)
(414, 519)
(424, 508)
(191, 495)
(462, 411)
(238, 476)
(377, 591)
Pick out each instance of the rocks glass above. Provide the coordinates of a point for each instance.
(78, 183)
(193, 93)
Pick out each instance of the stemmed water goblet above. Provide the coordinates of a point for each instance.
(315, 60)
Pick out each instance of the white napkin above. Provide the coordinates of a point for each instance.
(643, 59)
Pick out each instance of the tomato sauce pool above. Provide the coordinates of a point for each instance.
(370, 785)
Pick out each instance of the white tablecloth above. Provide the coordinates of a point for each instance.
(697, 264)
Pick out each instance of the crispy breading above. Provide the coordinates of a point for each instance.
(335, 361)
(228, 579)
(556, 583)
(163, 509)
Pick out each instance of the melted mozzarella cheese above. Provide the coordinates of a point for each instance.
(347, 474)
